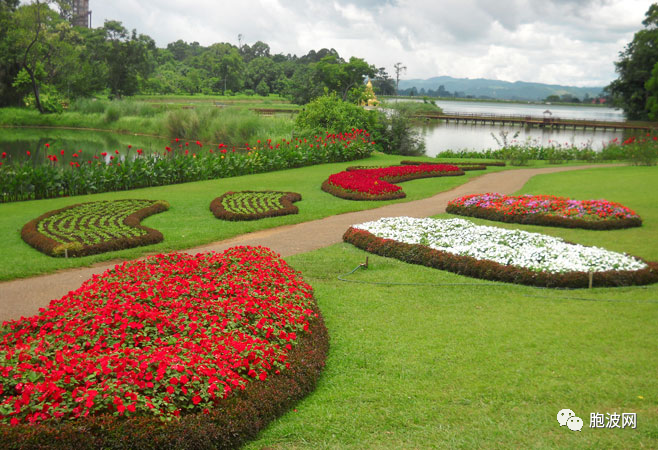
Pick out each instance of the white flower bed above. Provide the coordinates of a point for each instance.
(518, 248)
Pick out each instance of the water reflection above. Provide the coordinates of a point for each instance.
(17, 142)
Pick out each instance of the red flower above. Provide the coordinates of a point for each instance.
(196, 399)
(4, 154)
(28, 153)
(61, 152)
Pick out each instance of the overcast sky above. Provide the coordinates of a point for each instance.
(569, 42)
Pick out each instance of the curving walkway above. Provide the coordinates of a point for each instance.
(24, 297)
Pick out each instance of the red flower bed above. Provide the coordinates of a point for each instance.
(377, 184)
(172, 336)
(546, 210)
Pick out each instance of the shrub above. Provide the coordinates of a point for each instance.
(330, 114)
(396, 134)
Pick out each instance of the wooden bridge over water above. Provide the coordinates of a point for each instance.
(541, 122)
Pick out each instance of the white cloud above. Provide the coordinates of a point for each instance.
(553, 41)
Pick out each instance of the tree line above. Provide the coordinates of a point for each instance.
(46, 61)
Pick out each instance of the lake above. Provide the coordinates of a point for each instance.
(440, 136)
(16, 142)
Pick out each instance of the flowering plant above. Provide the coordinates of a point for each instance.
(161, 337)
(500, 254)
(377, 183)
(546, 210)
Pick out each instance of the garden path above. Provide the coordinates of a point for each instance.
(24, 297)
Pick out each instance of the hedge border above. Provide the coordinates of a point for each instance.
(485, 164)
(353, 195)
(463, 166)
(49, 246)
(287, 200)
(489, 270)
(542, 219)
(230, 424)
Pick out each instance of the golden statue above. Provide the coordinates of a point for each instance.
(370, 97)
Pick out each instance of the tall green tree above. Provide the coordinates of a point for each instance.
(223, 62)
(9, 61)
(629, 90)
(129, 58)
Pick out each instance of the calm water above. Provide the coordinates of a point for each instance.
(440, 136)
(16, 142)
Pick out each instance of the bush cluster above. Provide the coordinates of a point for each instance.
(489, 270)
(31, 234)
(254, 205)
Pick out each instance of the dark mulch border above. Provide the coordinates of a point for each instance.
(474, 165)
(33, 237)
(230, 424)
(489, 270)
(463, 166)
(354, 195)
(287, 200)
(543, 219)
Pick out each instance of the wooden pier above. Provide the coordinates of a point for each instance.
(540, 122)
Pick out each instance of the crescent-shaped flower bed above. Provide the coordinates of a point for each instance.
(546, 210)
(94, 227)
(499, 254)
(252, 205)
(378, 183)
(175, 351)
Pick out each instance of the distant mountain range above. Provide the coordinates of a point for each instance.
(500, 90)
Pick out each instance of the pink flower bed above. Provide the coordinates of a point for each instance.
(546, 210)
(378, 183)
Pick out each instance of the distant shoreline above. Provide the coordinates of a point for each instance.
(492, 100)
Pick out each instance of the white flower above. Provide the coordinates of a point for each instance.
(518, 248)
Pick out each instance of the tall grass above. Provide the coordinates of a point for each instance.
(233, 126)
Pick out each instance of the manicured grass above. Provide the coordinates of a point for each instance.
(189, 221)
(475, 364)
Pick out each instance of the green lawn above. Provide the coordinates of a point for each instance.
(455, 362)
(189, 222)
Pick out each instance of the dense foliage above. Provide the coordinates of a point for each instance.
(26, 180)
(546, 210)
(253, 205)
(636, 88)
(378, 183)
(43, 54)
(151, 341)
(493, 253)
(94, 227)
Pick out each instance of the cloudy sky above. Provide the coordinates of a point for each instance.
(569, 42)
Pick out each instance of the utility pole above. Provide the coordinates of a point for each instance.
(399, 68)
